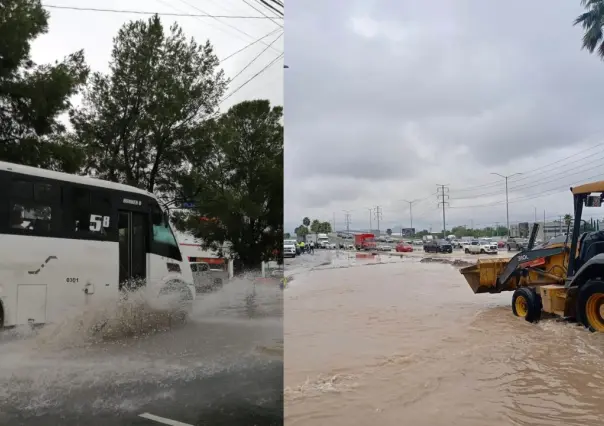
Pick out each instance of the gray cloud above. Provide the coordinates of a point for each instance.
(385, 90)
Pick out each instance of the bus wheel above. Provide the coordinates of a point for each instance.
(590, 305)
(526, 303)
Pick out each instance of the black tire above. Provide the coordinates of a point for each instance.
(589, 300)
(526, 303)
(509, 248)
(482, 251)
(467, 251)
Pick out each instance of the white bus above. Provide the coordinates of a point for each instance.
(67, 241)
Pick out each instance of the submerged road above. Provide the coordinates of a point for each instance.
(389, 342)
(224, 366)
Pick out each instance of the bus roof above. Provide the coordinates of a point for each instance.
(84, 180)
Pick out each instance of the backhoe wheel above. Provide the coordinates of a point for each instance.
(526, 303)
(590, 305)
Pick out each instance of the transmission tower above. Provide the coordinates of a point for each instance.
(378, 216)
(347, 221)
(442, 195)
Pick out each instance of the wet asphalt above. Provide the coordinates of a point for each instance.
(224, 366)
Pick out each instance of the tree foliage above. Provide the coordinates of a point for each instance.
(32, 97)
(137, 121)
(236, 177)
(301, 231)
(592, 22)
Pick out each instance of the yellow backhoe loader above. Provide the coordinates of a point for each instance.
(562, 277)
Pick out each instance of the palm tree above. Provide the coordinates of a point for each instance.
(567, 219)
(592, 22)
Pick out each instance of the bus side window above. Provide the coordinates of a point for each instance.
(80, 209)
(30, 216)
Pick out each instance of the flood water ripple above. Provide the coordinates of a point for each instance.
(409, 341)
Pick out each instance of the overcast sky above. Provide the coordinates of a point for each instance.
(386, 99)
(71, 30)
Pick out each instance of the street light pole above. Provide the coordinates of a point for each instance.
(507, 207)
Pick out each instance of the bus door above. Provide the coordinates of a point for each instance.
(133, 236)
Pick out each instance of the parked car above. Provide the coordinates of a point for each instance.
(384, 247)
(472, 248)
(500, 244)
(404, 248)
(434, 246)
(445, 247)
(290, 248)
(481, 247)
(519, 244)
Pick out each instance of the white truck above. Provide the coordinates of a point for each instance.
(323, 240)
(481, 247)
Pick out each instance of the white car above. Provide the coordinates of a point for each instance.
(289, 248)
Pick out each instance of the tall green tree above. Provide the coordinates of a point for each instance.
(315, 226)
(301, 231)
(139, 120)
(325, 227)
(236, 177)
(32, 97)
(592, 21)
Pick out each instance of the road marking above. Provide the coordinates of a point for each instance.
(163, 420)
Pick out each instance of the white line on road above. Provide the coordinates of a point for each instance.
(163, 420)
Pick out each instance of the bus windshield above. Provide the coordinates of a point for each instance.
(162, 233)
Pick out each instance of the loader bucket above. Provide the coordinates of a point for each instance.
(482, 277)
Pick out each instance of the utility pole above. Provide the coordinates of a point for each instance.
(334, 222)
(370, 225)
(410, 212)
(442, 194)
(347, 221)
(378, 216)
(496, 229)
(507, 207)
(535, 214)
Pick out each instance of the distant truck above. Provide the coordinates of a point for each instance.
(311, 238)
(427, 238)
(365, 242)
(323, 240)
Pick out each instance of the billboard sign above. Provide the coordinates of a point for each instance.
(408, 232)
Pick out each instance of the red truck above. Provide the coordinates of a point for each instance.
(364, 242)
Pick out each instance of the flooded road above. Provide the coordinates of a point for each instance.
(223, 366)
(408, 342)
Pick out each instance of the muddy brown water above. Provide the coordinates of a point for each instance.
(409, 343)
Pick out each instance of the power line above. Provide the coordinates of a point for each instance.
(252, 77)
(536, 195)
(530, 172)
(249, 45)
(263, 14)
(141, 12)
(548, 178)
(257, 56)
(269, 6)
(225, 23)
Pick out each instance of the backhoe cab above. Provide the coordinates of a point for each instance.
(555, 278)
